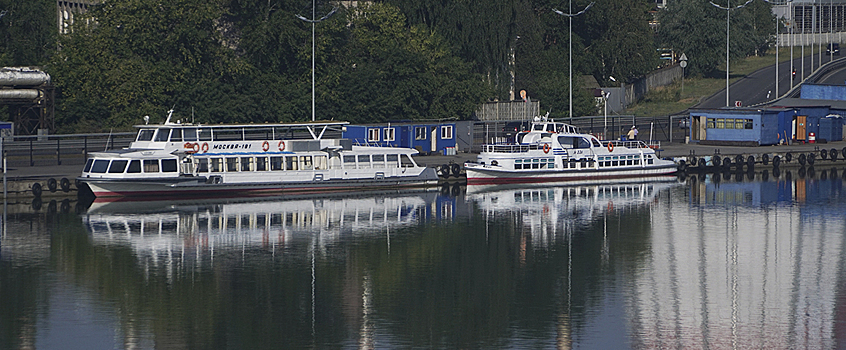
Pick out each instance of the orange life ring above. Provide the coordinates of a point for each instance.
(186, 145)
(546, 148)
(196, 147)
(610, 146)
(265, 146)
(205, 147)
(281, 146)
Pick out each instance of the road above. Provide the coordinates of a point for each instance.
(759, 87)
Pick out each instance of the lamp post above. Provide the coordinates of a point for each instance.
(313, 23)
(605, 95)
(570, 17)
(728, 10)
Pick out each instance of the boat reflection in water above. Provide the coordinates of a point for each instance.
(158, 228)
(568, 203)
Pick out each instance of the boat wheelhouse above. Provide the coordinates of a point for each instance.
(552, 152)
(250, 159)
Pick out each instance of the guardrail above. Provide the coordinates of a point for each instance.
(47, 150)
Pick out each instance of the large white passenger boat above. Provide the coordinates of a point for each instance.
(179, 159)
(553, 152)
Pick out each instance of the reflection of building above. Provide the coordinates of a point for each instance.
(743, 268)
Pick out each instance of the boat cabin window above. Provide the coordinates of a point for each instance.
(305, 163)
(276, 163)
(215, 165)
(145, 135)
(118, 166)
(378, 160)
(246, 164)
(88, 164)
(393, 161)
(407, 162)
(189, 134)
(573, 142)
(349, 162)
(261, 164)
(151, 165)
(363, 161)
(176, 135)
(205, 134)
(291, 163)
(320, 163)
(595, 143)
(100, 166)
(231, 164)
(134, 166)
(169, 165)
(202, 165)
(162, 135)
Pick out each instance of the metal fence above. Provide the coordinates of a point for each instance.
(48, 150)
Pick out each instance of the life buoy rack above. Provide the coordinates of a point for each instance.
(281, 146)
(546, 148)
(265, 146)
(205, 147)
(610, 146)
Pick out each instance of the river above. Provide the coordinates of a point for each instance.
(709, 261)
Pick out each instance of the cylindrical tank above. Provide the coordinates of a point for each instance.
(22, 77)
(19, 94)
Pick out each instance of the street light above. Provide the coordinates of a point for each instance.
(605, 95)
(313, 23)
(728, 10)
(570, 16)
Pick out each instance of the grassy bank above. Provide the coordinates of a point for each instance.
(682, 95)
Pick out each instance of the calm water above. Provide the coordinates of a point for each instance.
(717, 261)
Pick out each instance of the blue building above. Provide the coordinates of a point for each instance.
(425, 137)
(801, 122)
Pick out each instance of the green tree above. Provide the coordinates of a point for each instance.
(139, 59)
(393, 71)
(695, 27)
(28, 30)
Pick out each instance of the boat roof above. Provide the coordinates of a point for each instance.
(229, 126)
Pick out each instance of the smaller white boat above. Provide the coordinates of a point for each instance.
(558, 152)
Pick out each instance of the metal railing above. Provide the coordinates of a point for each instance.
(48, 150)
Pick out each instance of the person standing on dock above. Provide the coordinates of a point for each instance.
(632, 134)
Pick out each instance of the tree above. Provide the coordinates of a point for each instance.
(28, 30)
(138, 59)
(695, 27)
(393, 71)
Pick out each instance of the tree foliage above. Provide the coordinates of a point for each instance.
(696, 28)
(28, 30)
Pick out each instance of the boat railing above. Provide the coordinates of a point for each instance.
(636, 144)
(509, 148)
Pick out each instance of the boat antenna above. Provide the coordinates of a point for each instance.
(109, 139)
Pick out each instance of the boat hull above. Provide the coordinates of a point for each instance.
(481, 175)
(197, 187)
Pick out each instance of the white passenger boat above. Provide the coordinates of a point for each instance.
(553, 152)
(186, 159)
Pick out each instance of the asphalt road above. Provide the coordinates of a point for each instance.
(759, 87)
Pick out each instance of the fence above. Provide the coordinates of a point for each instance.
(44, 150)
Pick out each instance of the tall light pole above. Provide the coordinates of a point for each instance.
(313, 24)
(728, 10)
(570, 17)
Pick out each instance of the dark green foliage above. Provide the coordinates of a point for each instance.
(28, 32)
(698, 29)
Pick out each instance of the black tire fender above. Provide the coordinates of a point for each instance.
(36, 190)
(52, 185)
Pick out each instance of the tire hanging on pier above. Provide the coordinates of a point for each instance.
(716, 161)
(788, 157)
(36, 190)
(801, 158)
(65, 184)
(52, 185)
(833, 154)
(811, 158)
(823, 154)
(765, 159)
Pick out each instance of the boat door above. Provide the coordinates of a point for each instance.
(801, 121)
(434, 141)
